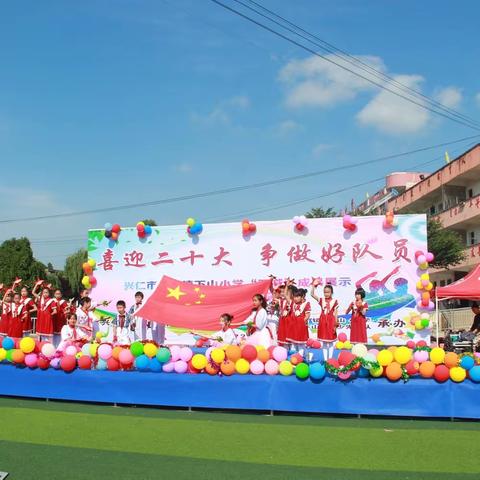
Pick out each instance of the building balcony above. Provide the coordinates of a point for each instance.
(462, 216)
(472, 258)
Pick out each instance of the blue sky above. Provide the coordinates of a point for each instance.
(115, 102)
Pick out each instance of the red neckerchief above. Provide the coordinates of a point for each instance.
(74, 331)
(122, 320)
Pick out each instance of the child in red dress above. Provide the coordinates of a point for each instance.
(28, 308)
(59, 319)
(15, 328)
(285, 311)
(297, 328)
(6, 313)
(46, 310)
(328, 321)
(358, 322)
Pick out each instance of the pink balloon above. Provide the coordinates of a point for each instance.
(271, 367)
(257, 367)
(55, 363)
(430, 257)
(425, 283)
(420, 356)
(180, 366)
(279, 354)
(175, 353)
(126, 357)
(347, 218)
(354, 220)
(421, 259)
(431, 306)
(104, 351)
(296, 219)
(374, 352)
(342, 337)
(208, 352)
(344, 376)
(386, 224)
(186, 354)
(168, 367)
(31, 360)
(71, 350)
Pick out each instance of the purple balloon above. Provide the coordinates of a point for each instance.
(181, 366)
(168, 367)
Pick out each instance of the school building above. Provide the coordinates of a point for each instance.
(451, 194)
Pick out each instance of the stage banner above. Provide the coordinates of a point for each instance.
(380, 260)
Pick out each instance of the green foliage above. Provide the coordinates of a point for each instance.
(446, 245)
(17, 260)
(150, 221)
(321, 213)
(73, 271)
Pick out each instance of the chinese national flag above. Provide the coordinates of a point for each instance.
(188, 305)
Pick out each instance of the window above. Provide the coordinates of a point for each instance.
(432, 210)
(472, 238)
(442, 283)
(470, 193)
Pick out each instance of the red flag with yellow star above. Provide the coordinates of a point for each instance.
(188, 305)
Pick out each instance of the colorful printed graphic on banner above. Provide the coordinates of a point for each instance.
(380, 260)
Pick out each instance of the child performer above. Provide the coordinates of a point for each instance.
(226, 335)
(59, 319)
(297, 330)
(28, 308)
(70, 334)
(273, 311)
(358, 322)
(46, 309)
(258, 332)
(285, 311)
(139, 324)
(15, 329)
(123, 326)
(6, 313)
(328, 320)
(84, 317)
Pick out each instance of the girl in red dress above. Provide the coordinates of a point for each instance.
(285, 311)
(358, 322)
(297, 328)
(46, 310)
(59, 318)
(15, 329)
(328, 321)
(28, 308)
(6, 313)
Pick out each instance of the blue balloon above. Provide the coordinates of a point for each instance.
(155, 365)
(8, 343)
(101, 364)
(474, 374)
(467, 362)
(363, 372)
(142, 362)
(108, 226)
(199, 228)
(148, 229)
(317, 371)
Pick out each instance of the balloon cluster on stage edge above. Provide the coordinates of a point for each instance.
(394, 363)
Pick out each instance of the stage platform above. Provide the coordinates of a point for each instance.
(416, 398)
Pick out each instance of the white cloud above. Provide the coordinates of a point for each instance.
(223, 112)
(286, 127)
(449, 97)
(317, 150)
(392, 114)
(314, 82)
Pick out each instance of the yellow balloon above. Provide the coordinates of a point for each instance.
(423, 266)
(385, 357)
(3, 354)
(150, 350)
(418, 325)
(419, 285)
(437, 355)
(339, 346)
(217, 355)
(259, 347)
(27, 345)
(402, 355)
(376, 372)
(93, 349)
(92, 262)
(242, 366)
(429, 287)
(347, 345)
(199, 361)
(424, 276)
(458, 374)
(190, 222)
(285, 368)
(86, 282)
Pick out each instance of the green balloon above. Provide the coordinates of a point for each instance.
(163, 355)
(136, 348)
(9, 355)
(425, 322)
(302, 371)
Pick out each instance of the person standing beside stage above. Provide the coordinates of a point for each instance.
(358, 322)
(328, 320)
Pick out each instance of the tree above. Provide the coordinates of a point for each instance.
(17, 260)
(321, 213)
(446, 245)
(73, 271)
(150, 221)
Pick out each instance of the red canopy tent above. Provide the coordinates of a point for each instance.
(467, 288)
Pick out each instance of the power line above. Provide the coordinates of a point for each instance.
(310, 50)
(236, 188)
(332, 49)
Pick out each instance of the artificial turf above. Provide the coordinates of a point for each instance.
(57, 440)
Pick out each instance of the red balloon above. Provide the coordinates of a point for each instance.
(333, 362)
(68, 363)
(352, 227)
(116, 228)
(85, 362)
(93, 280)
(249, 352)
(412, 367)
(299, 227)
(345, 357)
(253, 228)
(441, 373)
(191, 368)
(418, 253)
(421, 343)
(140, 227)
(113, 364)
(87, 269)
(43, 363)
(141, 234)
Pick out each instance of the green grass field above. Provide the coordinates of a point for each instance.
(54, 440)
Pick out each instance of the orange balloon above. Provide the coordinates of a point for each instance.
(263, 356)
(451, 359)
(116, 352)
(394, 371)
(212, 368)
(233, 353)
(427, 369)
(425, 296)
(18, 356)
(392, 348)
(227, 367)
(87, 268)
